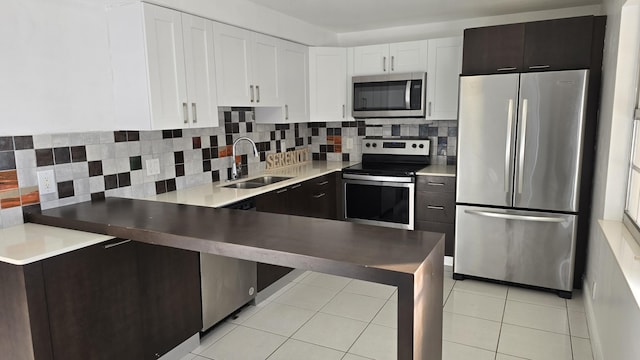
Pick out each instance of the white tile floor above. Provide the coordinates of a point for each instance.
(326, 317)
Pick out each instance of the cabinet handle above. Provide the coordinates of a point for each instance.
(507, 69)
(109, 246)
(286, 112)
(185, 112)
(251, 92)
(195, 113)
(429, 108)
(319, 196)
(539, 67)
(296, 186)
(435, 183)
(282, 191)
(392, 66)
(323, 183)
(344, 112)
(384, 63)
(434, 207)
(257, 93)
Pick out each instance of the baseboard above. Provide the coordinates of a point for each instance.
(448, 261)
(596, 347)
(180, 351)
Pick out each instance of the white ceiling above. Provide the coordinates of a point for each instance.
(342, 16)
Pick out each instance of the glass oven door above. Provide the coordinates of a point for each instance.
(383, 201)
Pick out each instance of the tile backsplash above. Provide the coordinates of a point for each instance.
(94, 165)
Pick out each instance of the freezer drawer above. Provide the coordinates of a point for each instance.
(525, 247)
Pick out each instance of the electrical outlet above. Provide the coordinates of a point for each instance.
(283, 146)
(46, 182)
(153, 167)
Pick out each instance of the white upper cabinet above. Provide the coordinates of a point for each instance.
(390, 58)
(445, 65)
(293, 84)
(247, 67)
(163, 68)
(327, 84)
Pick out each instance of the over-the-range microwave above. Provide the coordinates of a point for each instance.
(391, 95)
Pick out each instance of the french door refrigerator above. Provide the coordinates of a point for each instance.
(520, 140)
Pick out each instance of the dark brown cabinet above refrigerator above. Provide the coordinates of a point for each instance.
(560, 44)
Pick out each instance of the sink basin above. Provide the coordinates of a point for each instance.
(257, 182)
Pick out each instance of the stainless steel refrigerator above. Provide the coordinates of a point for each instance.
(520, 142)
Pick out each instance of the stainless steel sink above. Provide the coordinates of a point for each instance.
(257, 182)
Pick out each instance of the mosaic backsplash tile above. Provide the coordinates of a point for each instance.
(95, 165)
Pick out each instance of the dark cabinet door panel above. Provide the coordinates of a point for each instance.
(562, 44)
(436, 183)
(493, 49)
(93, 303)
(169, 296)
(268, 274)
(449, 230)
(435, 206)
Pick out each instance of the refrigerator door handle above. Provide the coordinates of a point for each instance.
(523, 140)
(551, 219)
(507, 156)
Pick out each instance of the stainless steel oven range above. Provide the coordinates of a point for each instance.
(381, 189)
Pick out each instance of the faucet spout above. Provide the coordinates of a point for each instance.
(234, 169)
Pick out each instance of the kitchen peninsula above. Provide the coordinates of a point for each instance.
(410, 260)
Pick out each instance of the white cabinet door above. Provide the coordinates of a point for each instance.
(327, 84)
(166, 68)
(445, 65)
(371, 59)
(200, 69)
(408, 56)
(233, 51)
(294, 75)
(265, 70)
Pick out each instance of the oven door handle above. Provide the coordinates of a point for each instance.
(395, 179)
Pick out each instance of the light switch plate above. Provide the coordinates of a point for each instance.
(153, 167)
(46, 182)
(283, 146)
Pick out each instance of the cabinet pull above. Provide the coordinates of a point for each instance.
(392, 66)
(434, 207)
(296, 186)
(251, 92)
(435, 183)
(507, 69)
(429, 108)
(539, 67)
(109, 246)
(286, 112)
(195, 113)
(257, 93)
(185, 112)
(323, 183)
(343, 111)
(384, 63)
(282, 191)
(319, 196)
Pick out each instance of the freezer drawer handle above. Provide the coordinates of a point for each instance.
(552, 219)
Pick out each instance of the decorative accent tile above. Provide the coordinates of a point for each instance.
(29, 195)
(65, 189)
(124, 179)
(8, 180)
(23, 142)
(110, 182)
(120, 136)
(7, 160)
(78, 153)
(6, 143)
(135, 163)
(62, 155)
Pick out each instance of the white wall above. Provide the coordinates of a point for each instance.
(455, 28)
(54, 67)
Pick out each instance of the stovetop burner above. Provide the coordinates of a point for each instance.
(395, 156)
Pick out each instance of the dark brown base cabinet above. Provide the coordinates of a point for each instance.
(115, 300)
(317, 198)
(435, 207)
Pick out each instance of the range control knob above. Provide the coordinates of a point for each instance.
(367, 145)
(421, 146)
(375, 145)
(414, 146)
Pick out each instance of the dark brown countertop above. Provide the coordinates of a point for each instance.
(411, 260)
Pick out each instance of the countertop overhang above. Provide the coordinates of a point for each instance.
(410, 260)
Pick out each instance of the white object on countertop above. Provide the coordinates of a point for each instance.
(27, 243)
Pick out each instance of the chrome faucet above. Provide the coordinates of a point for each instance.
(234, 169)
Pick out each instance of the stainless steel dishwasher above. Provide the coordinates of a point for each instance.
(226, 283)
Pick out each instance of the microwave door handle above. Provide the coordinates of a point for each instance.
(407, 95)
